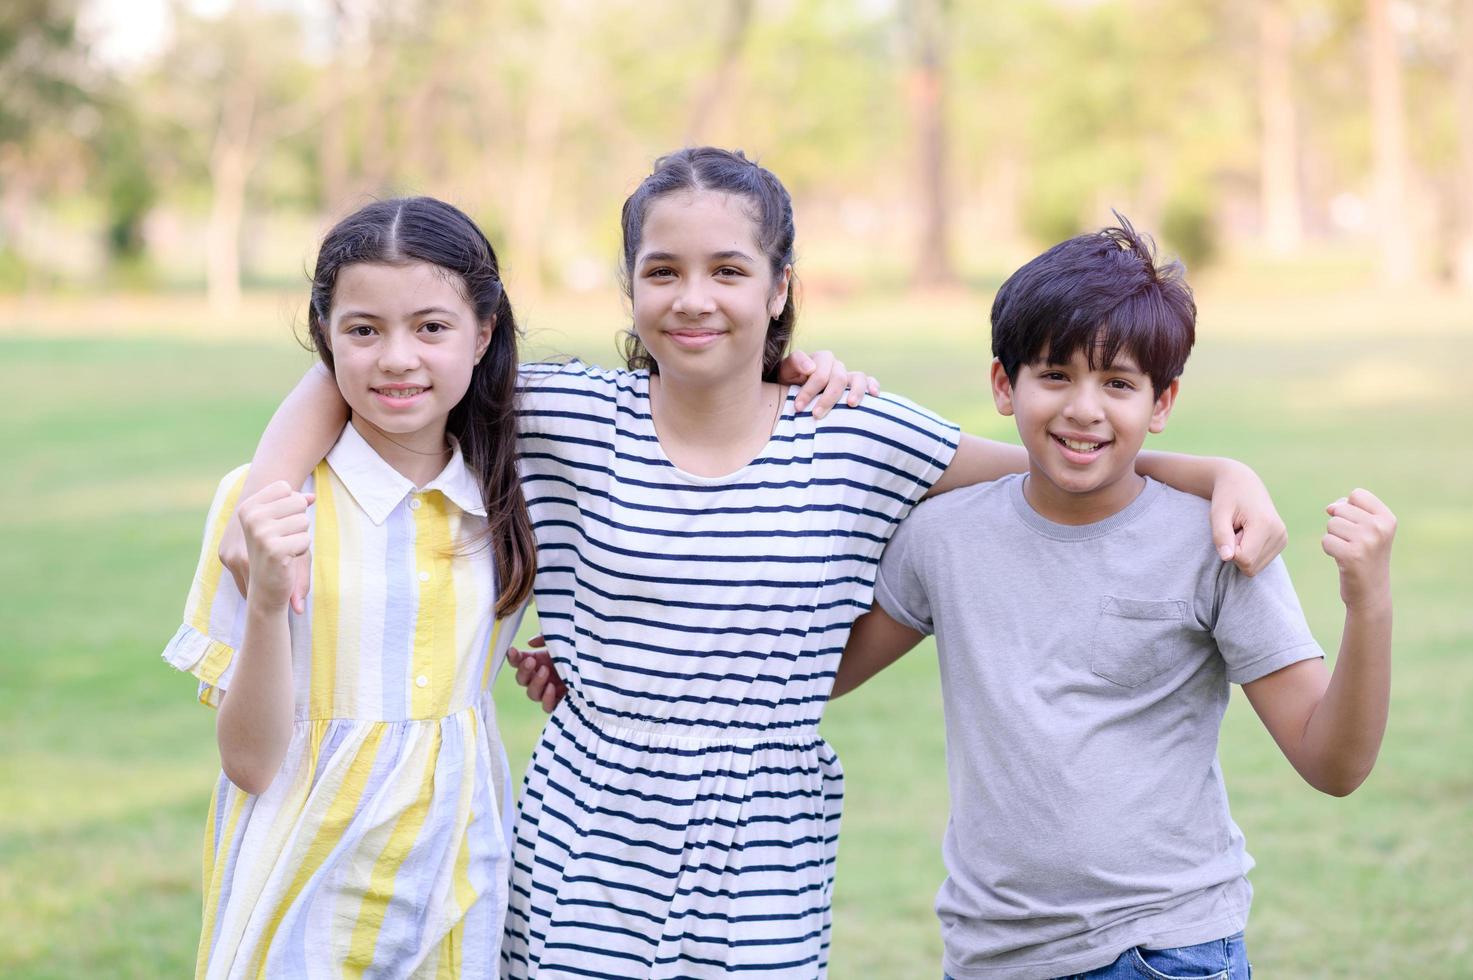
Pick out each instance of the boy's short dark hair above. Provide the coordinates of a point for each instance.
(1101, 292)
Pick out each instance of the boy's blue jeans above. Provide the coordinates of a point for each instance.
(1221, 959)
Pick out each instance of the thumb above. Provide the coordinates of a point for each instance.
(1224, 536)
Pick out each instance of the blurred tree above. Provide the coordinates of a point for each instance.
(735, 30)
(230, 92)
(1462, 258)
(1278, 146)
(128, 187)
(1388, 136)
(43, 85)
(927, 23)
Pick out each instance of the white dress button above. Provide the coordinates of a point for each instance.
(414, 503)
(424, 576)
(421, 681)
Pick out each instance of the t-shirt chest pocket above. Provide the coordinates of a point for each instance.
(1134, 638)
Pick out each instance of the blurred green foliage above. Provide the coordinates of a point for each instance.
(253, 121)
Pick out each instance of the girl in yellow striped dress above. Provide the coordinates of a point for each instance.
(359, 823)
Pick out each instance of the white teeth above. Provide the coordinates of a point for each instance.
(399, 392)
(1080, 447)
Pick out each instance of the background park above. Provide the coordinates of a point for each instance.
(167, 168)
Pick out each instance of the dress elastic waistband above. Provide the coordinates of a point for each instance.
(693, 736)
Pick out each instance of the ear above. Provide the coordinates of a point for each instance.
(1164, 403)
(483, 336)
(1002, 389)
(780, 293)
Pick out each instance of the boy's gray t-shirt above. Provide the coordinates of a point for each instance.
(1085, 672)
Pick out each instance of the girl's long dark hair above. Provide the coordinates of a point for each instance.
(422, 229)
(710, 168)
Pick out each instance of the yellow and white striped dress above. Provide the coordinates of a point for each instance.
(380, 849)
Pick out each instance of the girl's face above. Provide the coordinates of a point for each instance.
(404, 341)
(702, 289)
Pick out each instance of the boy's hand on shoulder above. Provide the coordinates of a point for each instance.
(276, 530)
(825, 381)
(1359, 536)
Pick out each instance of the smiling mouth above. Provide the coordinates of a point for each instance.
(1079, 446)
(399, 392)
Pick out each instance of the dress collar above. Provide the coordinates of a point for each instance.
(379, 488)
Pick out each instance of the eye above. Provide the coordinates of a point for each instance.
(434, 326)
(1120, 384)
(360, 330)
(1052, 376)
(730, 271)
(660, 272)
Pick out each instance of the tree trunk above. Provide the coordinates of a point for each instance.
(933, 266)
(1388, 136)
(708, 103)
(542, 117)
(229, 172)
(1278, 149)
(1462, 258)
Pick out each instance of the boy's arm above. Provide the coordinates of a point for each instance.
(1330, 726)
(876, 641)
(298, 436)
(1246, 528)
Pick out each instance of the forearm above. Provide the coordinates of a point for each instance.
(856, 667)
(876, 642)
(979, 460)
(1196, 475)
(301, 432)
(255, 721)
(1343, 735)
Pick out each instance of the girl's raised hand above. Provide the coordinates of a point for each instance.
(275, 526)
(236, 559)
(825, 381)
(536, 673)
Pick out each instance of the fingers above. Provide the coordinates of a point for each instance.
(795, 368)
(816, 382)
(1258, 544)
(858, 384)
(837, 380)
(1360, 524)
(233, 554)
(537, 676)
(1224, 534)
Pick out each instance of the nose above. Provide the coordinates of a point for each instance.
(693, 298)
(399, 353)
(1083, 406)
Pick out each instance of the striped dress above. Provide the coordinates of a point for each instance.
(680, 815)
(380, 847)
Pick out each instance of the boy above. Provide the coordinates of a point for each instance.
(1087, 634)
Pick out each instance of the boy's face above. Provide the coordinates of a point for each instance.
(1082, 428)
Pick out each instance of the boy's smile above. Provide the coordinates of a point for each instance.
(1082, 427)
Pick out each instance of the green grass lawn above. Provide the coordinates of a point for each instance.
(114, 445)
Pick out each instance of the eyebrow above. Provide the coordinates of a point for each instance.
(718, 256)
(365, 315)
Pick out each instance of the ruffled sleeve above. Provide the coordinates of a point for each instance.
(214, 613)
